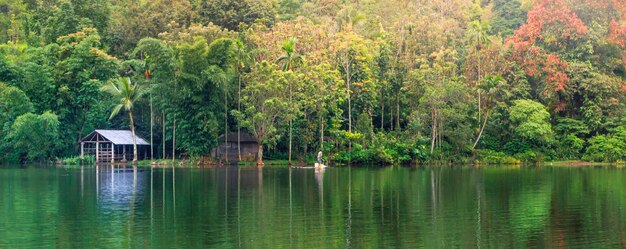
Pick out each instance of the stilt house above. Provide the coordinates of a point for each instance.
(112, 146)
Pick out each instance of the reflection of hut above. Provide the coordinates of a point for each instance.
(249, 147)
(112, 145)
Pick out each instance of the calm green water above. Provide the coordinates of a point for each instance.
(496, 207)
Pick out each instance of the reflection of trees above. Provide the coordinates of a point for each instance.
(272, 207)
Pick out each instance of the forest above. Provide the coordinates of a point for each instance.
(366, 81)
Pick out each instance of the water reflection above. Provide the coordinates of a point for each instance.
(122, 206)
(122, 188)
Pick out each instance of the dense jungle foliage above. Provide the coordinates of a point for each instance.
(367, 81)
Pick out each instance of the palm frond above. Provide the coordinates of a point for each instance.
(116, 110)
(125, 92)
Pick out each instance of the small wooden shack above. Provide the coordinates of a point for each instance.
(249, 148)
(112, 145)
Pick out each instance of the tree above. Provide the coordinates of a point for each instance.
(478, 38)
(136, 20)
(158, 69)
(13, 103)
(322, 95)
(442, 98)
(80, 68)
(288, 9)
(607, 148)
(289, 58)
(531, 121)
(352, 57)
(127, 94)
(194, 89)
(221, 55)
(494, 88)
(265, 102)
(8, 71)
(552, 27)
(33, 137)
(382, 75)
(242, 58)
(229, 13)
(509, 15)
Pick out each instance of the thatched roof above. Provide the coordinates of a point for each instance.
(117, 137)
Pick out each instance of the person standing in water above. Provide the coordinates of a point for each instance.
(319, 157)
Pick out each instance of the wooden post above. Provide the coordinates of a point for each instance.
(112, 153)
(174, 142)
(124, 155)
(163, 137)
(82, 150)
(97, 151)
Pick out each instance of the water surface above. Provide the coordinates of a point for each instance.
(496, 207)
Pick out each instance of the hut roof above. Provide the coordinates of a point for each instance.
(118, 137)
(232, 137)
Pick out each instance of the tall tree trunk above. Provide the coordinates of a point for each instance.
(434, 132)
(477, 83)
(239, 126)
(290, 121)
(440, 132)
(481, 130)
(391, 121)
(321, 133)
(371, 129)
(174, 141)
(306, 147)
(290, 132)
(479, 107)
(382, 115)
(132, 129)
(151, 129)
(349, 101)
(259, 156)
(163, 138)
(349, 114)
(397, 111)
(226, 123)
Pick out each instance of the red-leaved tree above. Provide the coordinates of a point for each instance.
(551, 27)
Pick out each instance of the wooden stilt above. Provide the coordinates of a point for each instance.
(97, 152)
(82, 150)
(112, 153)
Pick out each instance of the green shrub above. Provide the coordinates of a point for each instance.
(387, 150)
(607, 148)
(528, 156)
(77, 161)
(495, 157)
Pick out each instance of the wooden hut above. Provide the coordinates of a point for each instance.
(249, 148)
(112, 145)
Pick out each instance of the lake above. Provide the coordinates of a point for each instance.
(393, 207)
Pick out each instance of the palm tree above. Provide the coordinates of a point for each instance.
(148, 75)
(127, 93)
(242, 57)
(478, 37)
(289, 58)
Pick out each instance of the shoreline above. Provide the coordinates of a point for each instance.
(285, 163)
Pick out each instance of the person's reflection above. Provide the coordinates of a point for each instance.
(319, 177)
